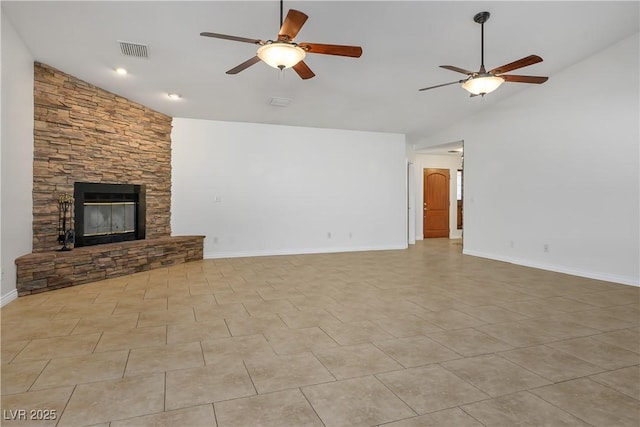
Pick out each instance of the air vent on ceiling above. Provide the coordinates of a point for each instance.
(279, 102)
(136, 50)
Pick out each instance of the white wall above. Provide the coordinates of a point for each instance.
(452, 163)
(256, 189)
(558, 165)
(16, 152)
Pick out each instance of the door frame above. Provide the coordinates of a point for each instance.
(411, 203)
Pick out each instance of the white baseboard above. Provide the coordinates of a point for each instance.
(625, 280)
(8, 297)
(246, 254)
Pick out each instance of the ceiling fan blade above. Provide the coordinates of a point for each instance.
(233, 38)
(524, 79)
(303, 70)
(291, 25)
(520, 63)
(444, 84)
(332, 49)
(458, 69)
(246, 64)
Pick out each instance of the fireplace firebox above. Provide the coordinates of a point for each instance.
(108, 213)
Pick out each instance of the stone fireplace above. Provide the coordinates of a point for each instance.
(84, 135)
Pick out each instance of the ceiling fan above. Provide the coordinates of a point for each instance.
(483, 81)
(284, 52)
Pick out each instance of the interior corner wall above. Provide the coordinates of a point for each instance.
(551, 174)
(452, 163)
(16, 155)
(255, 189)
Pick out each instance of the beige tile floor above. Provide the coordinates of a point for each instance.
(417, 337)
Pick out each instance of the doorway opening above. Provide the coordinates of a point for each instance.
(411, 201)
(449, 221)
(459, 193)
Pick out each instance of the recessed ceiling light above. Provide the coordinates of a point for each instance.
(174, 96)
(121, 71)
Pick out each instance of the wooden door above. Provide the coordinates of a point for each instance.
(436, 203)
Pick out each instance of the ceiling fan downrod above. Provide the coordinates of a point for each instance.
(481, 18)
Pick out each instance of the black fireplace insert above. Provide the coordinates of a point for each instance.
(108, 213)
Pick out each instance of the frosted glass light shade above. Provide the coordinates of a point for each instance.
(281, 55)
(482, 84)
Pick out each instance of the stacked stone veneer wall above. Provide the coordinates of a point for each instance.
(86, 134)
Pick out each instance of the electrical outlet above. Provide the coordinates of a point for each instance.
(328, 235)
(512, 244)
(546, 247)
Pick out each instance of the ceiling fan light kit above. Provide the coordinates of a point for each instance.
(483, 82)
(281, 55)
(481, 85)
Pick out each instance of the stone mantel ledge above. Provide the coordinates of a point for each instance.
(44, 271)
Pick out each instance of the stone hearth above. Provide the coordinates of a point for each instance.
(45, 271)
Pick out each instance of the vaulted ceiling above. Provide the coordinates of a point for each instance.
(403, 44)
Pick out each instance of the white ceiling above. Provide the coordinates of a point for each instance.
(403, 43)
